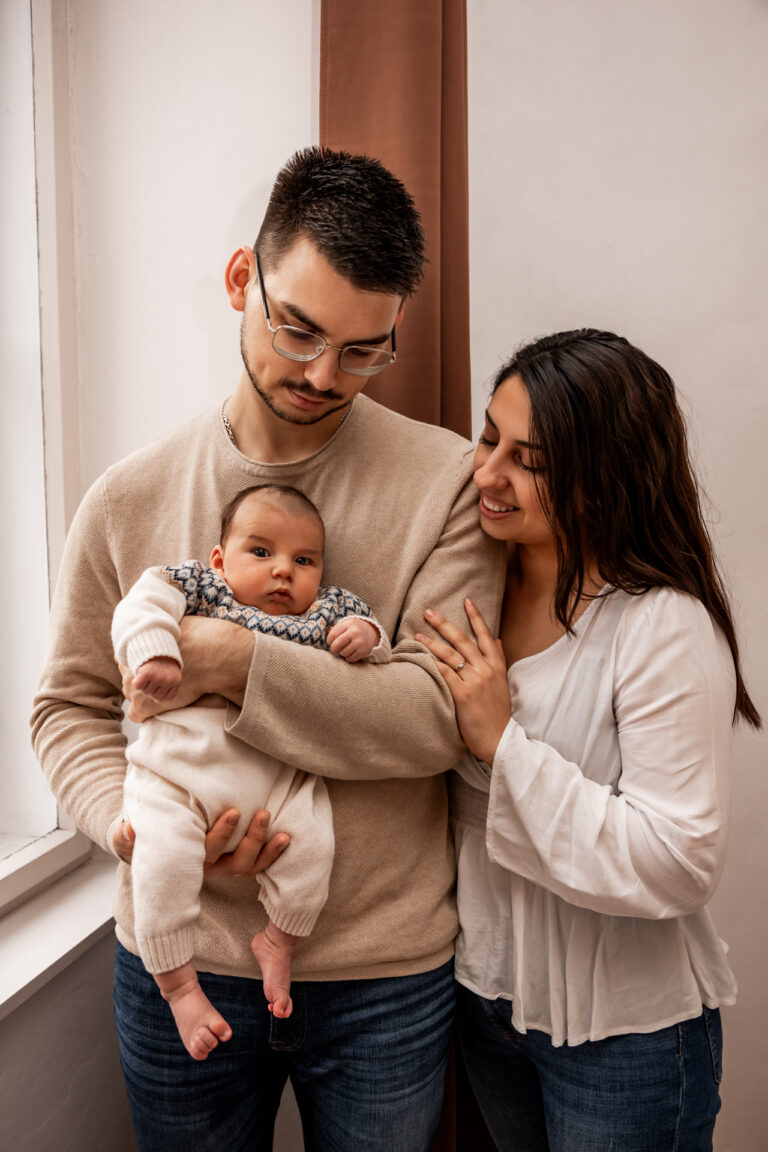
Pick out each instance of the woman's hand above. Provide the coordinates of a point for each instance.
(476, 675)
(251, 856)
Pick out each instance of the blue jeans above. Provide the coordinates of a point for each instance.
(654, 1092)
(366, 1059)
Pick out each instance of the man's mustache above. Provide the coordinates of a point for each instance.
(310, 392)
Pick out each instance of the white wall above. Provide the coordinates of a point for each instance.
(182, 113)
(617, 179)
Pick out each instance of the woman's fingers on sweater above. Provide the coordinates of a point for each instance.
(456, 649)
(448, 659)
(454, 639)
(486, 641)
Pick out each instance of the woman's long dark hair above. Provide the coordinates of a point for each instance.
(619, 488)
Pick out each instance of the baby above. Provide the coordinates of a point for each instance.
(185, 769)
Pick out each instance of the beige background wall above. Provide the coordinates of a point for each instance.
(618, 178)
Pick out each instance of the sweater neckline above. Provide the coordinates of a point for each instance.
(281, 465)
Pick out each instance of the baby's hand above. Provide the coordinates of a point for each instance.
(353, 638)
(159, 678)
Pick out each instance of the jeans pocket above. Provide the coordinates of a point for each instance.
(714, 1027)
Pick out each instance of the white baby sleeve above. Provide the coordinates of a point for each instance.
(145, 623)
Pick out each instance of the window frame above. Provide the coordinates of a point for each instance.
(53, 854)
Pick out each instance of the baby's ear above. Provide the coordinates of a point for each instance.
(217, 559)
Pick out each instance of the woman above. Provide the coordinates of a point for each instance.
(590, 970)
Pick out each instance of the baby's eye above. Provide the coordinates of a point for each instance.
(261, 553)
(305, 561)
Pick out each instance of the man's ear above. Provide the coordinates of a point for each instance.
(399, 317)
(240, 273)
(217, 559)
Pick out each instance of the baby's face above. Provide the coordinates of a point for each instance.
(272, 558)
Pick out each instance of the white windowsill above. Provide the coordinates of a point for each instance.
(32, 867)
(41, 937)
(9, 845)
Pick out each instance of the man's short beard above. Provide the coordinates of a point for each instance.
(307, 418)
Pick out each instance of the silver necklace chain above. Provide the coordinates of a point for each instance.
(225, 418)
(230, 433)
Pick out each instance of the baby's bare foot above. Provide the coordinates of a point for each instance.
(272, 948)
(200, 1026)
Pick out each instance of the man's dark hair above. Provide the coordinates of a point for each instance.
(355, 212)
(291, 497)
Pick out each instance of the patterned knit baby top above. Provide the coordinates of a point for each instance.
(208, 594)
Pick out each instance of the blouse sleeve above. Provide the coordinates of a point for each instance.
(652, 846)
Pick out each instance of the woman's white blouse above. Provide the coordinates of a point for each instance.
(582, 897)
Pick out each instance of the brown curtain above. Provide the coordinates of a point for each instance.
(393, 84)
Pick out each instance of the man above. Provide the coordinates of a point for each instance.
(322, 294)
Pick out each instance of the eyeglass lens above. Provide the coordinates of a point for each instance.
(297, 344)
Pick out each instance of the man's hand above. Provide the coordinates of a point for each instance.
(252, 855)
(123, 841)
(353, 639)
(217, 657)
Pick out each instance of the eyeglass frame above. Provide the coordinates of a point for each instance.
(308, 332)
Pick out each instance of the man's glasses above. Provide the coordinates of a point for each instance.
(301, 344)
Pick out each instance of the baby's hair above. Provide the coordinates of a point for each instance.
(291, 497)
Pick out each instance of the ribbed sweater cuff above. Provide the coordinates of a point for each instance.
(382, 652)
(295, 923)
(164, 953)
(153, 642)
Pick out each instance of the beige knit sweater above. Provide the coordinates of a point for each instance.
(402, 530)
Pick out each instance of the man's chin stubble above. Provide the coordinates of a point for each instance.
(290, 418)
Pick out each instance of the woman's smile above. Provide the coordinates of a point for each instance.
(494, 508)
